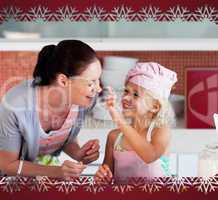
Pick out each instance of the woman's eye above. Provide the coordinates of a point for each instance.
(125, 91)
(91, 83)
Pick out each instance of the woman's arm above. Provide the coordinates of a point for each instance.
(89, 152)
(9, 164)
(72, 149)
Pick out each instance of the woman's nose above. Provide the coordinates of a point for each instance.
(98, 88)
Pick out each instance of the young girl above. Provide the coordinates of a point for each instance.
(140, 149)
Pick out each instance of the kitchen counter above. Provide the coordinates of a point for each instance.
(91, 123)
(117, 44)
(186, 144)
(183, 140)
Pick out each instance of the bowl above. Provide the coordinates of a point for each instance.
(115, 79)
(118, 63)
(20, 35)
(177, 102)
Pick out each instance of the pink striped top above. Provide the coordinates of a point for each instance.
(54, 140)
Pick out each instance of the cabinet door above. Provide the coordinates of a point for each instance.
(187, 165)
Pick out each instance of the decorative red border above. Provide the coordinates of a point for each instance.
(195, 10)
(86, 184)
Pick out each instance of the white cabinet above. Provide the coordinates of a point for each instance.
(187, 165)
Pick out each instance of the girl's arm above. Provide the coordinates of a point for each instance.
(148, 151)
(108, 158)
(106, 170)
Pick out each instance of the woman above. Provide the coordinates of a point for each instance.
(43, 116)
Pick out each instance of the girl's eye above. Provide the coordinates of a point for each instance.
(135, 94)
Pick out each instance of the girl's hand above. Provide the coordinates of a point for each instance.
(103, 175)
(111, 98)
(110, 103)
(70, 169)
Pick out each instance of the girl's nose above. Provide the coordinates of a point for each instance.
(126, 98)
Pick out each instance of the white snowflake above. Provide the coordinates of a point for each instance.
(123, 188)
(177, 12)
(206, 13)
(94, 188)
(149, 13)
(123, 12)
(2, 180)
(154, 185)
(3, 16)
(12, 12)
(85, 180)
(178, 184)
(206, 184)
(39, 12)
(12, 184)
(40, 183)
(94, 12)
(65, 186)
(67, 12)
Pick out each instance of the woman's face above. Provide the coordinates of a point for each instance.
(83, 88)
(136, 102)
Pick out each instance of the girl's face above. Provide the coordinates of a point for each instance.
(84, 88)
(136, 101)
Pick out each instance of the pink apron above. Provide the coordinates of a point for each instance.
(127, 164)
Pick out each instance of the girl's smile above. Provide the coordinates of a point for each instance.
(135, 101)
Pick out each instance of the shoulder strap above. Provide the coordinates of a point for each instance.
(150, 131)
(118, 141)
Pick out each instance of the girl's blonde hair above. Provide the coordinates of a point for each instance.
(166, 114)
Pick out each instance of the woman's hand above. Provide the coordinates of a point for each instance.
(103, 175)
(70, 169)
(89, 152)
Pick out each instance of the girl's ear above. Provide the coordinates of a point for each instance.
(62, 80)
(156, 106)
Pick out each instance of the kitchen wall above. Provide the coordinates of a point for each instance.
(118, 29)
(20, 64)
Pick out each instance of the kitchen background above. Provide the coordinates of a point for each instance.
(177, 44)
